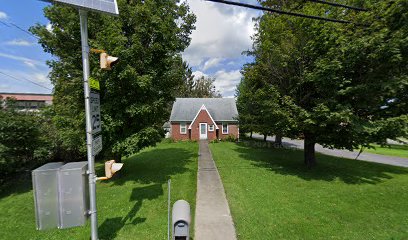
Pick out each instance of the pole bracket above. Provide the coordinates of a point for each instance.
(93, 50)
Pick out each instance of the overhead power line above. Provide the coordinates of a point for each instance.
(25, 79)
(279, 11)
(10, 24)
(338, 5)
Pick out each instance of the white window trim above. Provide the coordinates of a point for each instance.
(198, 113)
(222, 126)
(185, 128)
(211, 127)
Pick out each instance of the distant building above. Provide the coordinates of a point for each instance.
(204, 118)
(29, 101)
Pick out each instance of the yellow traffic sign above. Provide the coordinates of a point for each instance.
(94, 84)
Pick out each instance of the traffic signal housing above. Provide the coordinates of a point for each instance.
(111, 167)
(107, 61)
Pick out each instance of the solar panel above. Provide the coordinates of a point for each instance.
(104, 6)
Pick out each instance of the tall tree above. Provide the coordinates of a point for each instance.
(205, 88)
(187, 88)
(347, 84)
(202, 87)
(260, 106)
(148, 37)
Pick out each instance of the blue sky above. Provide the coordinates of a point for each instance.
(20, 55)
(222, 33)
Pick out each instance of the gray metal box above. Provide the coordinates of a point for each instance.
(45, 189)
(73, 194)
(181, 219)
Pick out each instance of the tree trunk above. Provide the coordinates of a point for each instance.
(250, 136)
(265, 137)
(278, 140)
(309, 151)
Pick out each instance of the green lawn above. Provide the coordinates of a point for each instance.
(272, 196)
(133, 206)
(391, 150)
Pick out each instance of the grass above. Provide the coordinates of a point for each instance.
(273, 196)
(390, 150)
(132, 206)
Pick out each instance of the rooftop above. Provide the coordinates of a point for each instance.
(28, 96)
(221, 109)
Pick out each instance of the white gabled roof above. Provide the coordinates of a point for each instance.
(198, 113)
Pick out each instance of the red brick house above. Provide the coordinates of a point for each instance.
(204, 118)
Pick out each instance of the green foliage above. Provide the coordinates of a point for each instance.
(25, 141)
(261, 107)
(202, 87)
(137, 141)
(338, 85)
(148, 37)
(215, 141)
(230, 138)
(168, 140)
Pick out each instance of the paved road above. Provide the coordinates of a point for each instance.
(213, 219)
(370, 157)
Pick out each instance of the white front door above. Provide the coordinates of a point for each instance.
(203, 130)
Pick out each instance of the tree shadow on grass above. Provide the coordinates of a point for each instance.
(111, 226)
(150, 167)
(154, 166)
(17, 185)
(329, 168)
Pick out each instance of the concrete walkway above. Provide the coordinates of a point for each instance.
(370, 157)
(213, 219)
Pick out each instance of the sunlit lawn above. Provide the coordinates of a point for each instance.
(273, 196)
(390, 150)
(133, 206)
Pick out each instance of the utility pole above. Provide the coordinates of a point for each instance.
(83, 17)
(92, 104)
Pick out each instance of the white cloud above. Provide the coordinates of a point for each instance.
(226, 82)
(49, 27)
(20, 80)
(41, 77)
(198, 74)
(211, 63)
(3, 15)
(19, 42)
(29, 62)
(4, 87)
(221, 31)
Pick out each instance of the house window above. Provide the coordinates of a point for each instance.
(211, 128)
(225, 128)
(183, 128)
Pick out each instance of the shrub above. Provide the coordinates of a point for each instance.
(230, 138)
(24, 142)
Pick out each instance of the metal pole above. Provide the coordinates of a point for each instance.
(168, 209)
(91, 169)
